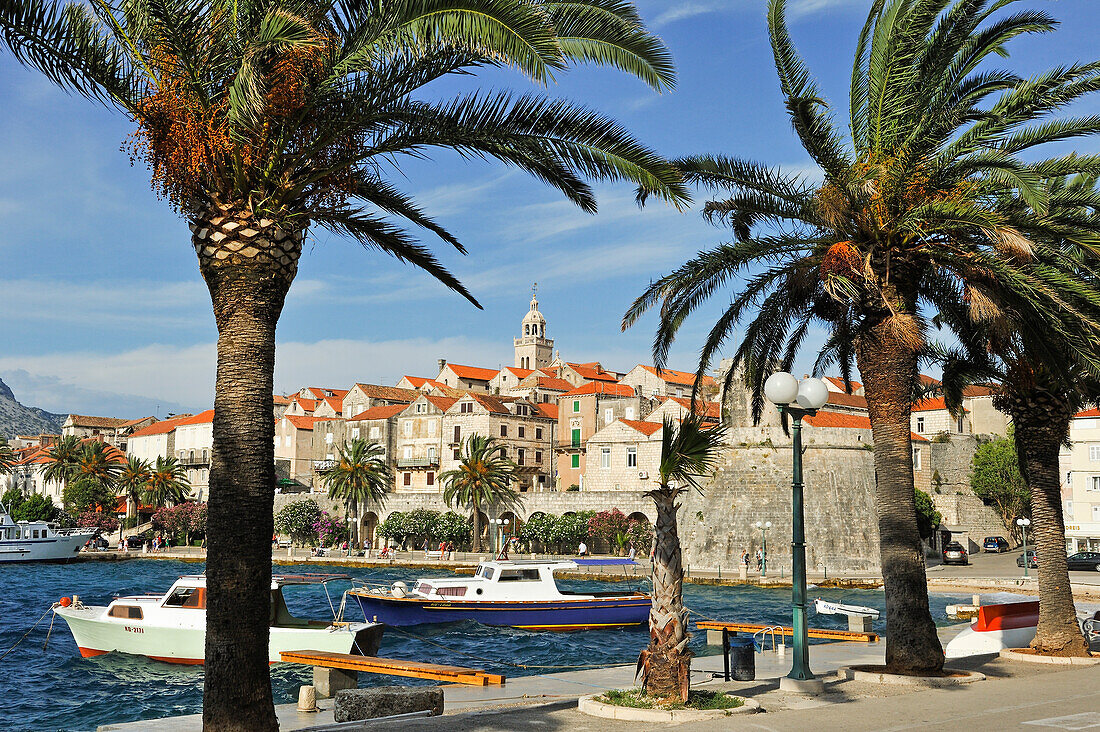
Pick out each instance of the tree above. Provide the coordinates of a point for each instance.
(328, 530)
(612, 527)
(451, 527)
(483, 478)
(81, 496)
(98, 464)
(63, 458)
(168, 484)
(394, 527)
(420, 524)
(261, 118)
(537, 531)
(7, 456)
(909, 221)
(928, 518)
(132, 481)
(688, 452)
(105, 522)
(36, 507)
(296, 520)
(359, 474)
(12, 499)
(995, 478)
(569, 530)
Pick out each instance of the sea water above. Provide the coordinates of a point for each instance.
(55, 689)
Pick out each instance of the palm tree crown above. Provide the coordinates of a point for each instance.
(133, 480)
(484, 478)
(359, 474)
(167, 484)
(63, 459)
(7, 456)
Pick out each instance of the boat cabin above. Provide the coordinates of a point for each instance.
(500, 580)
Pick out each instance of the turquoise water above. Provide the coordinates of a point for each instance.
(56, 689)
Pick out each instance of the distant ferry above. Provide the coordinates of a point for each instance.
(39, 541)
(519, 594)
(172, 627)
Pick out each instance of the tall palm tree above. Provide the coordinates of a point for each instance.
(909, 218)
(63, 458)
(167, 484)
(98, 464)
(7, 456)
(359, 474)
(688, 452)
(133, 480)
(1043, 383)
(484, 478)
(260, 118)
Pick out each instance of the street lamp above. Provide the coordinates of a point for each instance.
(1023, 523)
(763, 527)
(797, 399)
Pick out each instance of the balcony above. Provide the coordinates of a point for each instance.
(197, 459)
(569, 446)
(430, 462)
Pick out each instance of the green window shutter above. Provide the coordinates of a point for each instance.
(576, 461)
(576, 406)
(576, 438)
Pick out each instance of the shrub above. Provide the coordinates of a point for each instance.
(570, 530)
(105, 522)
(453, 528)
(296, 520)
(330, 529)
(537, 533)
(612, 527)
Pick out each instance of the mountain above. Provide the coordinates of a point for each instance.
(16, 419)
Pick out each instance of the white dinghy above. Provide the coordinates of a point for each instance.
(823, 607)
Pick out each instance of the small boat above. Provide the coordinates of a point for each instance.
(172, 627)
(824, 607)
(39, 541)
(518, 594)
(1009, 625)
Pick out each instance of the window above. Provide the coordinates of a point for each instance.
(576, 405)
(374, 433)
(408, 452)
(1096, 513)
(458, 455)
(920, 425)
(330, 457)
(576, 438)
(431, 478)
(504, 430)
(458, 433)
(960, 425)
(519, 575)
(328, 438)
(1069, 479)
(421, 408)
(431, 454)
(605, 457)
(521, 431)
(1094, 453)
(1094, 483)
(631, 457)
(1069, 510)
(574, 461)
(408, 479)
(408, 427)
(916, 458)
(679, 393)
(519, 456)
(608, 416)
(355, 433)
(126, 611)
(630, 412)
(538, 457)
(205, 458)
(189, 597)
(466, 408)
(538, 433)
(431, 426)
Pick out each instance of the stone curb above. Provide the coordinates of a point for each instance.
(1012, 654)
(847, 673)
(588, 705)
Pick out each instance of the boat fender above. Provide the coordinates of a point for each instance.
(399, 589)
(65, 601)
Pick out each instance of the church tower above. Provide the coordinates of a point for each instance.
(533, 349)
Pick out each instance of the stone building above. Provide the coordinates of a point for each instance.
(194, 443)
(362, 397)
(418, 445)
(533, 350)
(470, 378)
(156, 440)
(652, 382)
(111, 430)
(581, 413)
(623, 455)
(1080, 463)
(294, 448)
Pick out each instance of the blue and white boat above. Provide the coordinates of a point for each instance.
(518, 594)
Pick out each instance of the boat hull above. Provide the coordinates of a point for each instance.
(52, 549)
(554, 615)
(95, 634)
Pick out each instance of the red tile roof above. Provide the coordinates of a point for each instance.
(384, 411)
(931, 404)
(684, 378)
(307, 405)
(553, 384)
(416, 381)
(548, 410)
(517, 372)
(646, 428)
(978, 390)
(492, 403)
(598, 387)
(471, 373)
(301, 422)
(161, 428)
(847, 400)
(849, 421)
(838, 382)
(1088, 413)
(321, 393)
(132, 422)
(441, 403)
(593, 372)
(927, 380)
(80, 420)
(281, 399)
(388, 393)
(707, 409)
(200, 418)
(336, 404)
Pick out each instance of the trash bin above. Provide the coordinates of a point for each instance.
(742, 659)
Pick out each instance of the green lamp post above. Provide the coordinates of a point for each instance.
(763, 527)
(1023, 523)
(797, 399)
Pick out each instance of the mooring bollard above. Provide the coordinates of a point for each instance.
(307, 698)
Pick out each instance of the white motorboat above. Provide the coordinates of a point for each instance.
(39, 541)
(1009, 625)
(172, 627)
(824, 607)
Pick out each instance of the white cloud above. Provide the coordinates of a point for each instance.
(686, 10)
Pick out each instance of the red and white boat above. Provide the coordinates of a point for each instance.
(1008, 625)
(172, 627)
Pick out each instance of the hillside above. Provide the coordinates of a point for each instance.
(18, 419)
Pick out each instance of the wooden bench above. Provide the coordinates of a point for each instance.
(828, 634)
(335, 671)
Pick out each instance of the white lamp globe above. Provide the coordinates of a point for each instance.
(767, 524)
(812, 394)
(781, 388)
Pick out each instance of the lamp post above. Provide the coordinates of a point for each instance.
(763, 527)
(1023, 523)
(797, 399)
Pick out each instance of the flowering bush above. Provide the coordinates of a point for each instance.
(612, 526)
(186, 521)
(296, 520)
(102, 521)
(330, 530)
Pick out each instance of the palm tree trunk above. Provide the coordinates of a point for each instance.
(1041, 423)
(476, 522)
(888, 367)
(354, 538)
(667, 660)
(248, 266)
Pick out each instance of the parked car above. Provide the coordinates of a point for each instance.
(1088, 561)
(954, 553)
(135, 542)
(1032, 560)
(995, 544)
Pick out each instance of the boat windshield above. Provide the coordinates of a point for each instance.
(485, 572)
(519, 575)
(187, 597)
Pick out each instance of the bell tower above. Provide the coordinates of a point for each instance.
(533, 349)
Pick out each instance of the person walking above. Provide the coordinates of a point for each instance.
(582, 550)
(632, 553)
(759, 560)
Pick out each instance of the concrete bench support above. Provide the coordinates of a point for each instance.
(353, 705)
(328, 681)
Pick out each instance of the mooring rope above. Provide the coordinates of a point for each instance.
(36, 622)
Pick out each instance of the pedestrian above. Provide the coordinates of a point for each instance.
(759, 560)
(582, 550)
(632, 552)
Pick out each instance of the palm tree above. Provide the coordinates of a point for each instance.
(483, 478)
(63, 459)
(909, 218)
(98, 464)
(7, 456)
(167, 484)
(687, 453)
(360, 474)
(259, 118)
(1043, 383)
(133, 480)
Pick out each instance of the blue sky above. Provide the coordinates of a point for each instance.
(104, 311)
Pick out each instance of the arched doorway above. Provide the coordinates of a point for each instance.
(515, 523)
(646, 543)
(370, 529)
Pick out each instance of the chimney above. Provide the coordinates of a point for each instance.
(442, 363)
